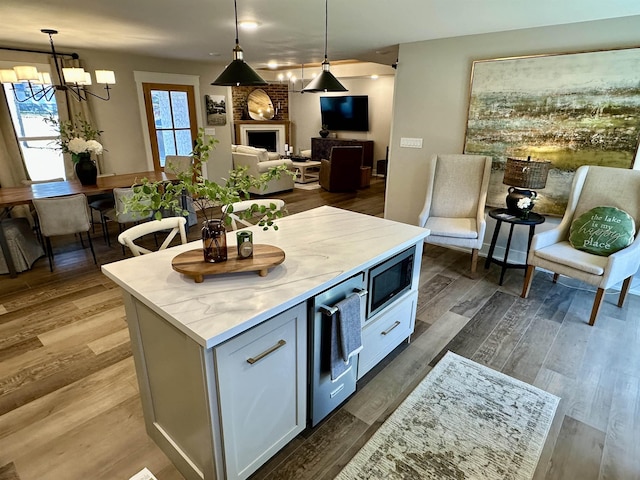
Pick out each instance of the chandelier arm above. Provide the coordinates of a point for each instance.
(87, 92)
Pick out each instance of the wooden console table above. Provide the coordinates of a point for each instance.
(321, 148)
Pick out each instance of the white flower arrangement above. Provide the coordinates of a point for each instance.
(77, 136)
(80, 145)
(525, 203)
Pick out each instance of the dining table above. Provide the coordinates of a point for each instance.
(24, 195)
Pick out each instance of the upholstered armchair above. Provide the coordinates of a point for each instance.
(553, 250)
(454, 205)
(341, 172)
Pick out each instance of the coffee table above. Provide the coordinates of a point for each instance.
(308, 171)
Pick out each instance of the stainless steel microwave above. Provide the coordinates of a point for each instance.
(389, 280)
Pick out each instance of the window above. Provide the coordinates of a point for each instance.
(171, 118)
(36, 138)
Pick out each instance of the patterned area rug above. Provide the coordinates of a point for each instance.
(464, 421)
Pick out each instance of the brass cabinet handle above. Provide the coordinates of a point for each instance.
(251, 360)
(391, 328)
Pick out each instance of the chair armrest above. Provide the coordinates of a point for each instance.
(622, 264)
(549, 237)
(265, 166)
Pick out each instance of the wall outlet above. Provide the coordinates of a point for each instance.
(410, 142)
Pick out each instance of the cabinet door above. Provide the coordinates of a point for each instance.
(262, 390)
(386, 331)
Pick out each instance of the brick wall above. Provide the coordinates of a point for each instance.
(277, 93)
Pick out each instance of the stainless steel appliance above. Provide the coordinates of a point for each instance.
(324, 394)
(388, 280)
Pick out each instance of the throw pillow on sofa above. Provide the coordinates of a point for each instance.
(602, 231)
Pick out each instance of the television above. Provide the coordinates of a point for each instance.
(348, 112)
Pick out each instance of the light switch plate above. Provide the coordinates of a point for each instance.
(410, 142)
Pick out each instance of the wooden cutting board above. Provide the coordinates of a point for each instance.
(192, 264)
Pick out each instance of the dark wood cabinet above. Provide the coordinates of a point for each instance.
(321, 148)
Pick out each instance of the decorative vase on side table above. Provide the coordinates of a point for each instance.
(85, 168)
(324, 133)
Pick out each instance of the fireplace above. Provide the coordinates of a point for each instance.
(268, 140)
(270, 135)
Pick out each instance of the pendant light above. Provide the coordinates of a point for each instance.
(325, 82)
(238, 73)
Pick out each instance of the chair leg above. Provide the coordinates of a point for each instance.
(597, 303)
(95, 262)
(555, 277)
(625, 289)
(474, 259)
(49, 253)
(528, 276)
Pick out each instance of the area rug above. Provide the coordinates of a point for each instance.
(463, 421)
(307, 186)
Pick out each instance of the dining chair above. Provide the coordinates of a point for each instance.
(119, 213)
(259, 207)
(170, 225)
(36, 224)
(63, 216)
(177, 165)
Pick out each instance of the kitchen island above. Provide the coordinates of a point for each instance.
(222, 364)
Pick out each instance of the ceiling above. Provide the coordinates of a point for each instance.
(290, 31)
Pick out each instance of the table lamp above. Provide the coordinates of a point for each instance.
(525, 175)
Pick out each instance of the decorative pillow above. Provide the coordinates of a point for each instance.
(273, 155)
(602, 231)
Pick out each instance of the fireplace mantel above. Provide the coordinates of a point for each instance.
(242, 126)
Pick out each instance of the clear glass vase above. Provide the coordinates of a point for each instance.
(214, 241)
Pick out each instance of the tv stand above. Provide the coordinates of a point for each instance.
(321, 148)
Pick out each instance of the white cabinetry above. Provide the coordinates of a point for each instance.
(262, 390)
(386, 331)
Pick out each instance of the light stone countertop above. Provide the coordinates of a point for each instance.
(322, 247)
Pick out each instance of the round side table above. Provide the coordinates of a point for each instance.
(502, 215)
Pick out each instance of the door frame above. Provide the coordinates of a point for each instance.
(147, 88)
(169, 79)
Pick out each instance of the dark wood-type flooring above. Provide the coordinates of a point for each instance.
(70, 409)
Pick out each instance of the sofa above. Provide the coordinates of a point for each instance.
(259, 161)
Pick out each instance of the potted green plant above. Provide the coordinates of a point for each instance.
(79, 138)
(162, 198)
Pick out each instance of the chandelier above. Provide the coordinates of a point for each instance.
(39, 85)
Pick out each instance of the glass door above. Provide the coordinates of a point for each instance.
(171, 118)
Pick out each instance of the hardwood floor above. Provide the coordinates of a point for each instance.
(70, 409)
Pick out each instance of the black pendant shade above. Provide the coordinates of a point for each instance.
(238, 72)
(325, 82)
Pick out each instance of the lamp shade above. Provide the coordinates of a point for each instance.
(526, 173)
(26, 73)
(325, 82)
(105, 76)
(239, 73)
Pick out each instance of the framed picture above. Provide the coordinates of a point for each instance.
(571, 109)
(216, 110)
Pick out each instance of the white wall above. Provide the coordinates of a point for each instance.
(304, 113)
(432, 96)
(432, 90)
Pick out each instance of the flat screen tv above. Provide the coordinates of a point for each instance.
(348, 112)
